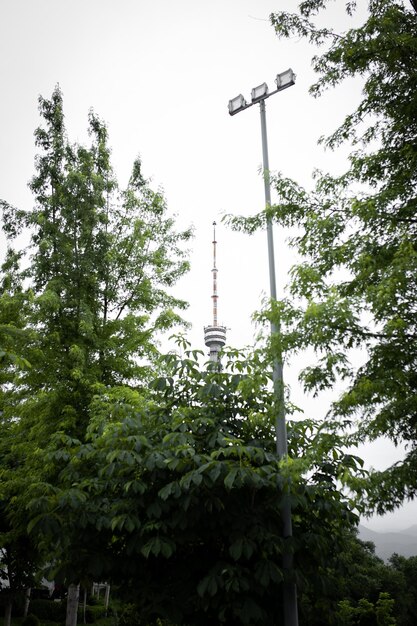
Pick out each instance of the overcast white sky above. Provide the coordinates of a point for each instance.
(160, 73)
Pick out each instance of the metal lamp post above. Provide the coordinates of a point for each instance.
(260, 94)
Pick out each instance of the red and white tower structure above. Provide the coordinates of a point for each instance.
(214, 335)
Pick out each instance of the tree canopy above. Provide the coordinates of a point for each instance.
(98, 279)
(81, 309)
(176, 496)
(354, 290)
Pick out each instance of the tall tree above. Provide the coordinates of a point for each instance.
(101, 266)
(95, 289)
(355, 286)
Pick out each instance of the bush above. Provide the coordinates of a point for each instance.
(130, 617)
(92, 601)
(40, 593)
(30, 620)
(48, 610)
(92, 613)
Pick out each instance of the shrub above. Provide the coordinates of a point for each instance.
(93, 601)
(92, 613)
(40, 593)
(48, 610)
(130, 617)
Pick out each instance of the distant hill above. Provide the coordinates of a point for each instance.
(412, 530)
(402, 542)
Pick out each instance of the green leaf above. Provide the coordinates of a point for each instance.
(230, 478)
(236, 549)
(166, 491)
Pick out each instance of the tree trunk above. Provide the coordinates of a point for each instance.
(106, 598)
(72, 605)
(27, 601)
(84, 604)
(8, 613)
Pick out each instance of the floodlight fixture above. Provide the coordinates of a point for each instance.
(285, 79)
(237, 104)
(259, 93)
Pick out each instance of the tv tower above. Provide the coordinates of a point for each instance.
(214, 335)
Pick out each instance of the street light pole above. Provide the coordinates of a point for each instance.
(260, 94)
(290, 591)
(278, 378)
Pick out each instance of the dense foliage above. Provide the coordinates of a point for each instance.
(161, 476)
(177, 496)
(80, 308)
(354, 290)
(102, 261)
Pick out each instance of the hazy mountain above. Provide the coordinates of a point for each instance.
(402, 542)
(412, 530)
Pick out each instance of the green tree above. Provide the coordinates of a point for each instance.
(383, 610)
(19, 558)
(177, 495)
(355, 286)
(101, 266)
(406, 568)
(359, 579)
(93, 294)
(366, 613)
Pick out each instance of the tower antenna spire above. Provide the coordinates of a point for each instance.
(214, 296)
(215, 335)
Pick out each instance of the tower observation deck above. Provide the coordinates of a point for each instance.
(214, 335)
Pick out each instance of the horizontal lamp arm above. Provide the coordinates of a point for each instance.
(283, 81)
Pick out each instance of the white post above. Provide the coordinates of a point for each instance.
(27, 601)
(84, 604)
(72, 605)
(107, 598)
